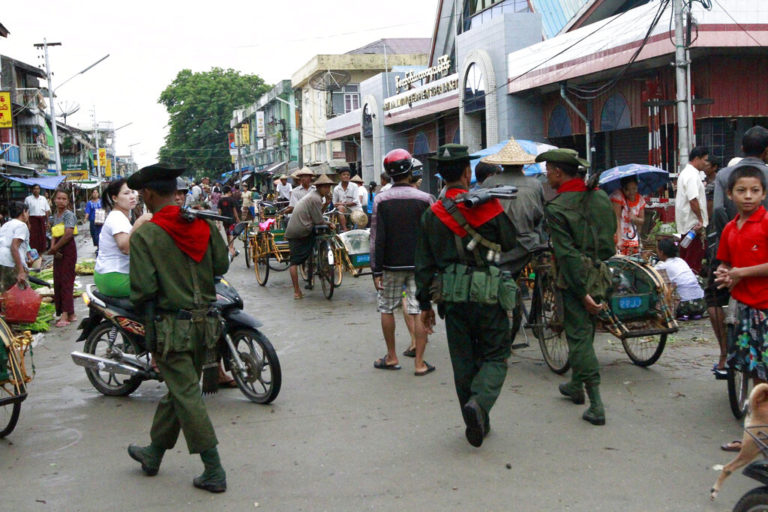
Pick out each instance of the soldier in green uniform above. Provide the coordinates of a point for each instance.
(581, 229)
(476, 325)
(173, 264)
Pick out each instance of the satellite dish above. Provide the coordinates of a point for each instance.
(67, 108)
(330, 80)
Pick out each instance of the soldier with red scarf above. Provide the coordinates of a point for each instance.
(478, 333)
(173, 264)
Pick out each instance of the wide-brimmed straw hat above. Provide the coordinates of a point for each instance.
(511, 154)
(323, 180)
(356, 179)
(304, 171)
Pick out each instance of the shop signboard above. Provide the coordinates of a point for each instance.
(102, 157)
(78, 175)
(429, 74)
(260, 129)
(6, 119)
(108, 168)
(436, 90)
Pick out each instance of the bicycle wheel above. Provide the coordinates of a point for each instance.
(326, 269)
(262, 268)
(98, 344)
(279, 266)
(247, 248)
(338, 271)
(549, 323)
(739, 387)
(10, 399)
(645, 350)
(261, 379)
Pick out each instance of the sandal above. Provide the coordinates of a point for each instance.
(733, 446)
(411, 352)
(382, 364)
(429, 369)
(62, 323)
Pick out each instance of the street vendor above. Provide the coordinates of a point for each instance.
(581, 226)
(14, 248)
(300, 231)
(173, 265)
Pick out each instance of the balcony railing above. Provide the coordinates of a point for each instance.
(35, 154)
(10, 153)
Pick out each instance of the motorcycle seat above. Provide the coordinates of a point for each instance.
(118, 302)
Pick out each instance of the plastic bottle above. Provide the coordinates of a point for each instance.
(688, 238)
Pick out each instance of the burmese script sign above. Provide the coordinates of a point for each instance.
(431, 91)
(429, 74)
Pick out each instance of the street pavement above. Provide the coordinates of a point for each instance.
(343, 436)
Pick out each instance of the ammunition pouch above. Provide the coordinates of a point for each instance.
(598, 279)
(480, 285)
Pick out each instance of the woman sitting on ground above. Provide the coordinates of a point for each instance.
(689, 290)
(112, 263)
(629, 207)
(14, 248)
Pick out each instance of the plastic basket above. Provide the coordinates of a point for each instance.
(357, 241)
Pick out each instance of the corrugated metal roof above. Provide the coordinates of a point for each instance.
(555, 14)
(398, 46)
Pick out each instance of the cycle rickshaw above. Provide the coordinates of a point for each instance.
(639, 313)
(15, 349)
(268, 248)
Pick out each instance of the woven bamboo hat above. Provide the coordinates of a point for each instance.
(304, 171)
(511, 154)
(323, 180)
(357, 179)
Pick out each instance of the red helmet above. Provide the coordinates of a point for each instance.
(398, 162)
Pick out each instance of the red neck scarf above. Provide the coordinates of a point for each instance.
(476, 216)
(574, 185)
(190, 237)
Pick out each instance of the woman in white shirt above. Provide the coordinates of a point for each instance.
(14, 248)
(689, 290)
(113, 262)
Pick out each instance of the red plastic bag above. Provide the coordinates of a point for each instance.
(20, 306)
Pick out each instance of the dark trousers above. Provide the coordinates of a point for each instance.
(479, 343)
(64, 278)
(580, 333)
(37, 238)
(694, 254)
(95, 232)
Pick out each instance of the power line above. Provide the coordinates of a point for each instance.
(737, 23)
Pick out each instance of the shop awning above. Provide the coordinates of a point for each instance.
(46, 183)
(273, 168)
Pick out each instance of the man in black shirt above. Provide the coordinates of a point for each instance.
(228, 207)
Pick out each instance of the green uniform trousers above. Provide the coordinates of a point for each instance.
(479, 343)
(580, 333)
(182, 408)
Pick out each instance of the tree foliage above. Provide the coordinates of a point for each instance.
(200, 108)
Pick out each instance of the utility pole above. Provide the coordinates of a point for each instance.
(96, 141)
(44, 45)
(681, 64)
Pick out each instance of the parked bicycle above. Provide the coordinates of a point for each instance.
(16, 349)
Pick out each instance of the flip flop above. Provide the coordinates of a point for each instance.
(429, 369)
(382, 364)
(411, 352)
(62, 323)
(733, 446)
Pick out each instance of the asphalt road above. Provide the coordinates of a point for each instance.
(344, 436)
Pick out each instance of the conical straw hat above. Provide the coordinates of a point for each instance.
(511, 154)
(324, 180)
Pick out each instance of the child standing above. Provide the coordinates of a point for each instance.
(743, 251)
(64, 252)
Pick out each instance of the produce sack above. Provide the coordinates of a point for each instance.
(20, 305)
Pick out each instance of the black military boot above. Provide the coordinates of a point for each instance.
(573, 390)
(596, 412)
(213, 479)
(474, 419)
(149, 456)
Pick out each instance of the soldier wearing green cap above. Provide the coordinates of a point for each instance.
(581, 226)
(173, 264)
(476, 324)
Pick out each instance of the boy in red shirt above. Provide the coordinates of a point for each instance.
(743, 251)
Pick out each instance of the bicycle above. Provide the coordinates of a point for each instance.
(13, 375)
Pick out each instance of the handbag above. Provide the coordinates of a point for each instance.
(99, 216)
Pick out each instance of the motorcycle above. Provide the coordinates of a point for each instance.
(116, 359)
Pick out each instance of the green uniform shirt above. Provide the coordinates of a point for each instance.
(160, 271)
(565, 222)
(436, 248)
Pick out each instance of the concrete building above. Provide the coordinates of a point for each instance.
(328, 86)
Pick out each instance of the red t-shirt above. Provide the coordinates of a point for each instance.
(747, 247)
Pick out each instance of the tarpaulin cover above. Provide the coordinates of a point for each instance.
(46, 183)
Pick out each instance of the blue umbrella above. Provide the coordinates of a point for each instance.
(649, 178)
(529, 146)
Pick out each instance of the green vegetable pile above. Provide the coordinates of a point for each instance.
(85, 267)
(43, 322)
(45, 275)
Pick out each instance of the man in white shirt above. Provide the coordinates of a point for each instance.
(691, 206)
(345, 197)
(284, 189)
(39, 210)
(305, 176)
(362, 192)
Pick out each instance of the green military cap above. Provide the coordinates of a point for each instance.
(562, 156)
(451, 153)
(151, 173)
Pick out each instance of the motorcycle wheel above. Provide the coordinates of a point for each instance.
(755, 500)
(109, 383)
(261, 380)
